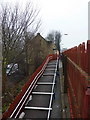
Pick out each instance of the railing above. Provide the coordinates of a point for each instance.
(77, 79)
(17, 105)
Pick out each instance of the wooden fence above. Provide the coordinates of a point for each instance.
(76, 63)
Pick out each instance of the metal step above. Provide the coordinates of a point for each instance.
(37, 108)
(49, 74)
(45, 83)
(42, 93)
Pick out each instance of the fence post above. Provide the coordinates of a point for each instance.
(88, 54)
(88, 95)
(86, 108)
(64, 59)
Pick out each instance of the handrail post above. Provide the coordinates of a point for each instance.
(88, 54)
(64, 60)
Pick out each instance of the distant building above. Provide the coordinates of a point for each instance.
(63, 49)
(38, 49)
(0, 73)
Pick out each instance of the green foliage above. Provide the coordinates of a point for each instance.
(5, 106)
(10, 93)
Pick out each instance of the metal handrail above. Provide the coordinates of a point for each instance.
(29, 90)
(50, 104)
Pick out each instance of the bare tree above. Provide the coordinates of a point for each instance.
(50, 36)
(18, 28)
(55, 36)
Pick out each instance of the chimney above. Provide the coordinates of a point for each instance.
(38, 33)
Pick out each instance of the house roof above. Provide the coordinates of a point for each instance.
(38, 35)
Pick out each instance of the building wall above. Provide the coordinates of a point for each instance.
(38, 50)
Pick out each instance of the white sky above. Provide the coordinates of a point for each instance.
(67, 16)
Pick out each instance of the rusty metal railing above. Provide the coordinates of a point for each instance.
(77, 79)
(17, 105)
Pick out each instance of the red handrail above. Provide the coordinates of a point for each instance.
(25, 87)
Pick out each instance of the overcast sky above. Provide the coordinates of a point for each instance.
(67, 16)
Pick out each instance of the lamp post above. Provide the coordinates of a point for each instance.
(60, 42)
(0, 70)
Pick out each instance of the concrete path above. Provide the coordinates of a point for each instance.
(65, 108)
